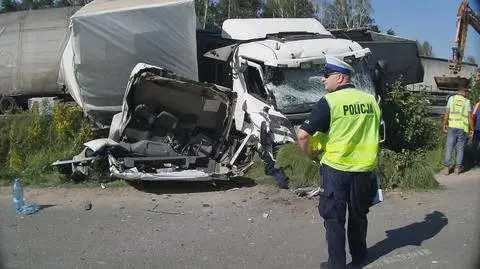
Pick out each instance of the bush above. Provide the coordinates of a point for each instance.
(410, 157)
(5, 124)
(406, 170)
(413, 150)
(37, 138)
(408, 124)
(474, 93)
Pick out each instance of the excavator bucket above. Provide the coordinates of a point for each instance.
(451, 83)
(465, 17)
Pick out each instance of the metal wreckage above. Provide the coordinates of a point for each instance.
(172, 128)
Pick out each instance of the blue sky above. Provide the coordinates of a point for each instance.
(430, 20)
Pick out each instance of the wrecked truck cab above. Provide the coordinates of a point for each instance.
(173, 128)
(277, 68)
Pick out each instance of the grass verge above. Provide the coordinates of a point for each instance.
(301, 171)
(31, 141)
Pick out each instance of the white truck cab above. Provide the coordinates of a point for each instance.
(276, 71)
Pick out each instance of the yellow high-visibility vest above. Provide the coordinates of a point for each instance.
(458, 117)
(318, 143)
(353, 137)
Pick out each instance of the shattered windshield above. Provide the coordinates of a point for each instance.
(297, 90)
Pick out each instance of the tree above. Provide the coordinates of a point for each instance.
(374, 27)
(288, 9)
(348, 14)
(28, 4)
(62, 3)
(79, 2)
(470, 59)
(8, 6)
(36, 4)
(236, 9)
(390, 32)
(320, 10)
(425, 49)
(207, 12)
(67, 3)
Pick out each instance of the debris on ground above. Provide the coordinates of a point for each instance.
(87, 205)
(308, 192)
(154, 210)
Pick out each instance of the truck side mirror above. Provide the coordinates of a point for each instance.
(380, 71)
(381, 65)
(383, 135)
(379, 76)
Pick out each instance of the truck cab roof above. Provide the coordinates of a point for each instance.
(274, 49)
(276, 39)
(250, 29)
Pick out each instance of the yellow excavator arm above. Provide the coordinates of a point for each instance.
(465, 17)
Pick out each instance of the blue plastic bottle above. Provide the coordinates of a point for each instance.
(17, 193)
(19, 200)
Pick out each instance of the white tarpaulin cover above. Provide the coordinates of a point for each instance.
(108, 38)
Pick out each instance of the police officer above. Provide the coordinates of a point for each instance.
(351, 120)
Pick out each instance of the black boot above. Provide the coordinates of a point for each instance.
(359, 261)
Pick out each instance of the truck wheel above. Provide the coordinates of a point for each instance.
(7, 103)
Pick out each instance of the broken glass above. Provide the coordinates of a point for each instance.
(297, 90)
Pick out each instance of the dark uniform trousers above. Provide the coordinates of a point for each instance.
(341, 190)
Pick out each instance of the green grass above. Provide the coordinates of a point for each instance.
(301, 171)
(419, 176)
(30, 141)
(27, 155)
(407, 170)
(257, 173)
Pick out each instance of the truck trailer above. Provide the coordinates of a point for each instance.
(31, 46)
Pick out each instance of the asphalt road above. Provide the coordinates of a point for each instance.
(249, 227)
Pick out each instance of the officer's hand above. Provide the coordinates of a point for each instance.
(315, 154)
(445, 128)
(471, 133)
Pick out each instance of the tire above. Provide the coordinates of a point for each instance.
(7, 103)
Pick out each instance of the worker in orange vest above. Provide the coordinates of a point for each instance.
(476, 132)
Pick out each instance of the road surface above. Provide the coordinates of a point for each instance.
(226, 227)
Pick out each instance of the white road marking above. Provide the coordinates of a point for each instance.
(399, 258)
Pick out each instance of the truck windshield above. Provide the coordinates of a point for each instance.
(298, 90)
